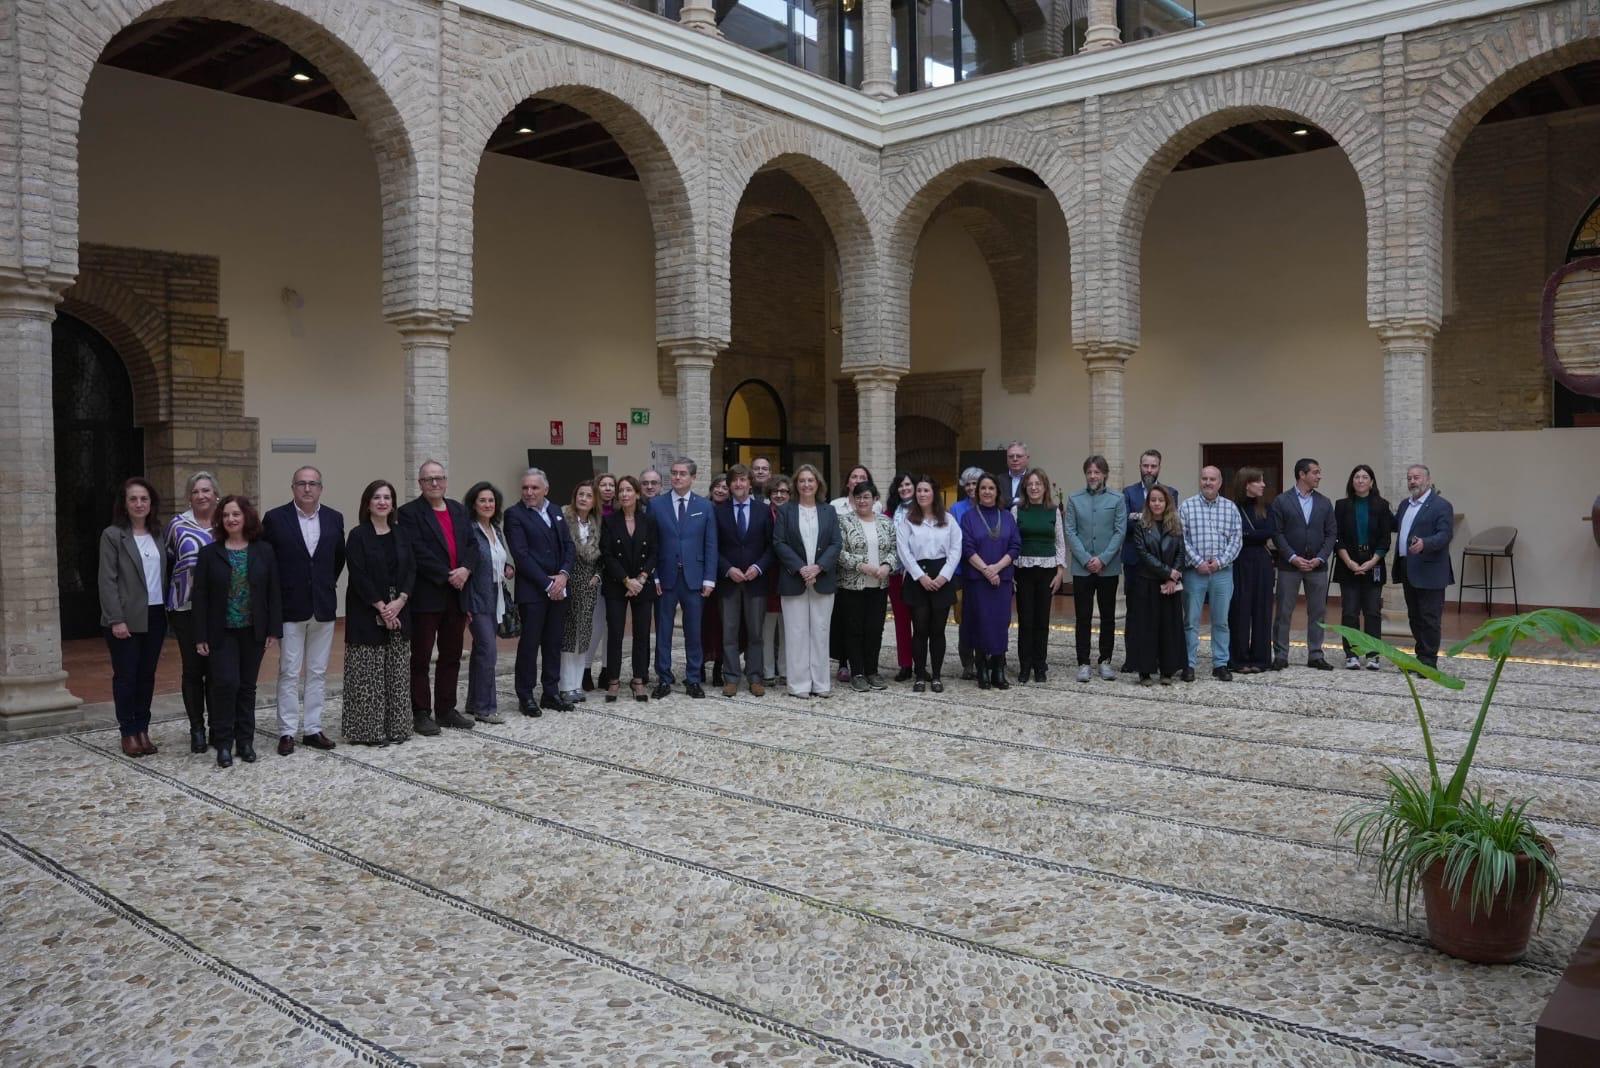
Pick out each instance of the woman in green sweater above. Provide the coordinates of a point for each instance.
(1041, 569)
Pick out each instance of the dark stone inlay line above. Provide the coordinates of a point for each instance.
(1103, 758)
(991, 852)
(1011, 791)
(815, 1039)
(325, 1027)
(1440, 695)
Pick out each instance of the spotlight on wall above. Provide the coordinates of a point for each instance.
(1301, 131)
(522, 121)
(300, 71)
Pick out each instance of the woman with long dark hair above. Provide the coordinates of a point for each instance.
(929, 542)
(628, 557)
(1365, 526)
(583, 590)
(486, 599)
(902, 494)
(133, 617)
(990, 545)
(1155, 637)
(1254, 577)
(377, 623)
(238, 606)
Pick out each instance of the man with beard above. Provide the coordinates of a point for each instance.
(1133, 498)
(1426, 522)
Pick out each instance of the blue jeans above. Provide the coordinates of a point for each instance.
(1196, 588)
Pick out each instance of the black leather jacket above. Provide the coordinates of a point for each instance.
(1160, 553)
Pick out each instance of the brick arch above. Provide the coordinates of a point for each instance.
(664, 146)
(840, 176)
(1133, 172)
(1515, 51)
(390, 95)
(136, 329)
(927, 175)
(1010, 250)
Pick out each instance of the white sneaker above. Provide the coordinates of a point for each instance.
(1084, 673)
(1374, 664)
(1353, 663)
(1107, 672)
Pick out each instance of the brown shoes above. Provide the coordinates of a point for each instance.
(318, 741)
(285, 744)
(730, 688)
(131, 746)
(146, 745)
(756, 689)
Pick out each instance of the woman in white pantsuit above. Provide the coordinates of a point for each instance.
(807, 544)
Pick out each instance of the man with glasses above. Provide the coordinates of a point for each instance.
(760, 476)
(685, 574)
(650, 482)
(308, 541)
(440, 534)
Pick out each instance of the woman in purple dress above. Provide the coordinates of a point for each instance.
(990, 544)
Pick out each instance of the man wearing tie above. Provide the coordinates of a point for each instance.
(542, 551)
(744, 556)
(687, 532)
(1426, 522)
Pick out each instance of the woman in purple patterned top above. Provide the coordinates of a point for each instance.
(187, 534)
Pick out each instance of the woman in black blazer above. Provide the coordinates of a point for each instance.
(238, 612)
(377, 623)
(628, 553)
(1365, 526)
(807, 580)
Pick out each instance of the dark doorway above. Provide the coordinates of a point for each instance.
(754, 425)
(97, 446)
(1267, 455)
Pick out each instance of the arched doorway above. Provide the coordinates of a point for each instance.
(97, 446)
(754, 424)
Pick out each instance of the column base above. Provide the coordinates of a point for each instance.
(31, 705)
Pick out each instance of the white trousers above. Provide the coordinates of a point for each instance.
(805, 642)
(573, 666)
(769, 640)
(305, 645)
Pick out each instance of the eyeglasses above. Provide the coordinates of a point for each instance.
(433, 480)
(307, 485)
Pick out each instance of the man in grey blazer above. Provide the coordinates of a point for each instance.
(1306, 533)
(1426, 523)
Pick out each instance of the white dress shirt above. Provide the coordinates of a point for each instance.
(925, 541)
(310, 528)
(808, 532)
(1411, 517)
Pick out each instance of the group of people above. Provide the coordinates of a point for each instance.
(765, 563)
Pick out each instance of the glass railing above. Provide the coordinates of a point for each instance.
(940, 42)
(821, 36)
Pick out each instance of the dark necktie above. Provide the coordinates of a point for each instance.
(744, 522)
(681, 503)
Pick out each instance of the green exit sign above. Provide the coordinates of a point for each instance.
(639, 416)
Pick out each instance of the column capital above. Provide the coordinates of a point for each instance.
(424, 324)
(1106, 356)
(875, 377)
(1413, 332)
(31, 295)
(692, 351)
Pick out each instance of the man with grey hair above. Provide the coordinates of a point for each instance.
(1426, 523)
(1017, 458)
(541, 548)
(686, 531)
(650, 484)
(440, 533)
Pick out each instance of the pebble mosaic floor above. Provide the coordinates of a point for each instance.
(1057, 874)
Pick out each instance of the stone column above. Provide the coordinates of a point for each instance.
(875, 389)
(1102, 31)
(1407, 419)
(1107, 366)
(33, 687)
(426, 342)
(693, 360)
(877, 36)
(700, 16)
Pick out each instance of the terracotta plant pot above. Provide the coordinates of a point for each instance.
(1498, 936)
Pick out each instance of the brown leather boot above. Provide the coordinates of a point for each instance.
(146, 744)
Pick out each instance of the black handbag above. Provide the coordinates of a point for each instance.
(510, 625)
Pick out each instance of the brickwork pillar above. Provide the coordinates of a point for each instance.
(700, 16)
(33, 686)
(1102, 30)
(693, 360)
(1107, 367)
(877, 71)
(425, 339)
(1407, 419)
(875, 390)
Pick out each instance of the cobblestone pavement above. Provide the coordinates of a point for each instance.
(1057, 874)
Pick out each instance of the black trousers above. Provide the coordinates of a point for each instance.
(235, 663)
(1425, 611)
(1361, 607)
(930, 611)
(196, 669)
(861, 612)
(1033, 615)
(1088, 593)
(133, 672)
(617, 610)
(449, 629)
(543, 622)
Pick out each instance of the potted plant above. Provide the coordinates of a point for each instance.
(1485, 871)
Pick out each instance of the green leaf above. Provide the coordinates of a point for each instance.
(1502, 633)
(1364, 644)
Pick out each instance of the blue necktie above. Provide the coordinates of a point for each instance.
(681, 503)
(744, 524)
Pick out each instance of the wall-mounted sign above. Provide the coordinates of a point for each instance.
(622, 433)
(594, 433)
(639, 416)
(557, 432)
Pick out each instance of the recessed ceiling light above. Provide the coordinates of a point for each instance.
(300, 71)
(1301, 132)
(524, 129)
(300, 76)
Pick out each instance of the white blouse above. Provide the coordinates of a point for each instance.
(150, 556)
(924, 541)
(808, 531)
(497, 564)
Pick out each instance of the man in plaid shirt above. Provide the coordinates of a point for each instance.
(1211, 541)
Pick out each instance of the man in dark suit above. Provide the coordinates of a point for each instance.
(687, 532)
(1016, 470)
(1306, 535)
(1133, 499)
(1426, 523)
(542, 551)
(744, 556)
(440, 534)
(308, 541)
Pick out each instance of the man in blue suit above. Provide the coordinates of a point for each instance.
(687, 531)
(542, 551)
(1426, 522)
(744, 556)
(1133, 498)
(308, 541)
